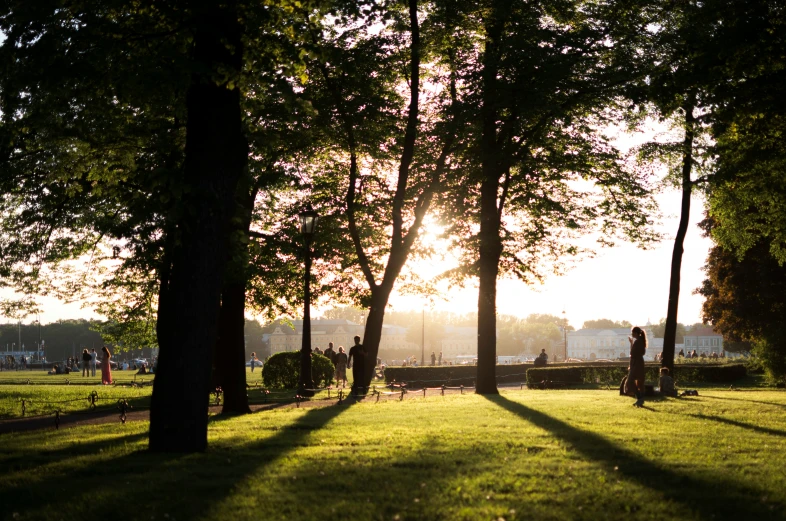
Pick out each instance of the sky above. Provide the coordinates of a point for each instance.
(619, 283)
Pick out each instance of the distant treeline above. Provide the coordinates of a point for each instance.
(61, 339)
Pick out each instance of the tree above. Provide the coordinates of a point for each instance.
(747, 199)
(605, 323)
(744, 301)
(540, 75)
(659, 329)
(356, 77)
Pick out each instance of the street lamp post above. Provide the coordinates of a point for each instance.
(308, 225)
(565, 332)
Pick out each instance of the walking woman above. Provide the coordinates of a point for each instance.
(341, 367)
(106, 371)
(635, 382)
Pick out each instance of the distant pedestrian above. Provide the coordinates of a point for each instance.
(636, 372)
(439, 362)
(358, 352)
(106, 370)
(93, 359)
(331, 353)
(86, 358)
(694, 354)
(253, 361)
(341, 366)
(682, 354)
(433, 358)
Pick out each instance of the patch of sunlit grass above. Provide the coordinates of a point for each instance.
(522, 455)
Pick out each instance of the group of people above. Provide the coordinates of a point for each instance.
(693, 354)
(355, 359)
(90, 360)
(10, 362)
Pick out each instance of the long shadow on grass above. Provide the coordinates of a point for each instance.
(721, 499)
(743, 425)
(183, 485)
(782, 405)
(35, 457)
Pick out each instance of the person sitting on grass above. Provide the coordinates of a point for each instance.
(666, 383)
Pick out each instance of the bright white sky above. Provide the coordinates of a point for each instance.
(620, 283)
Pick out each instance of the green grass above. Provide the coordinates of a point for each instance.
(558, 455)
(67, 393)
(40, 377)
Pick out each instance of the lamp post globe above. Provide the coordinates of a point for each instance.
(308, 225)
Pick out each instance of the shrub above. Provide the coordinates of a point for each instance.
(613, 374)
(451, 375)
(282, 370)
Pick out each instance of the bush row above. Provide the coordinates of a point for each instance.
(451, 375)
(610, 374)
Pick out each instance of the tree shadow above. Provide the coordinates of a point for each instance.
(782, 405)
(743, 425)
(95, 485)
(696, 493)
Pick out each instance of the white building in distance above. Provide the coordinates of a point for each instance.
(610, 344)
(340, 332)
(459, 341)
(704, 340)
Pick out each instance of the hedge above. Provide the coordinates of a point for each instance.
(579, 373)
(612, 375)
(451, 375)
(282, 370)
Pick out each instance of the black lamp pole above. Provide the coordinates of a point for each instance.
(565, 332)
(308, 225)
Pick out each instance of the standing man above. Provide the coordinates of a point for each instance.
(331, 353)
(440, 358)
(93, 357)
(358, 352)
(86, 359)
(433, 359)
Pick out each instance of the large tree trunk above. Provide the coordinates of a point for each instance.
(372, 333)
(490, 213)
(669, 336)
(216, 154)
(488, 268)
(230, 354)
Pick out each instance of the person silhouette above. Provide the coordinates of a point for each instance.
(358, 352)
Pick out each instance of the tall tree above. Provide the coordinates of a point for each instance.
(744, 301)
(542, 74)
(356, 77)
(189, 300)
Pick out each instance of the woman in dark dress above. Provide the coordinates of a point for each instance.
(635, 383)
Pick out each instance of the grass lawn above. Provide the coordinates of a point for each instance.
(557, 455)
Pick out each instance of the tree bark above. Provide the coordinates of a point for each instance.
(669, 336)
(215, 157)
(490, 244)
(230, 353)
